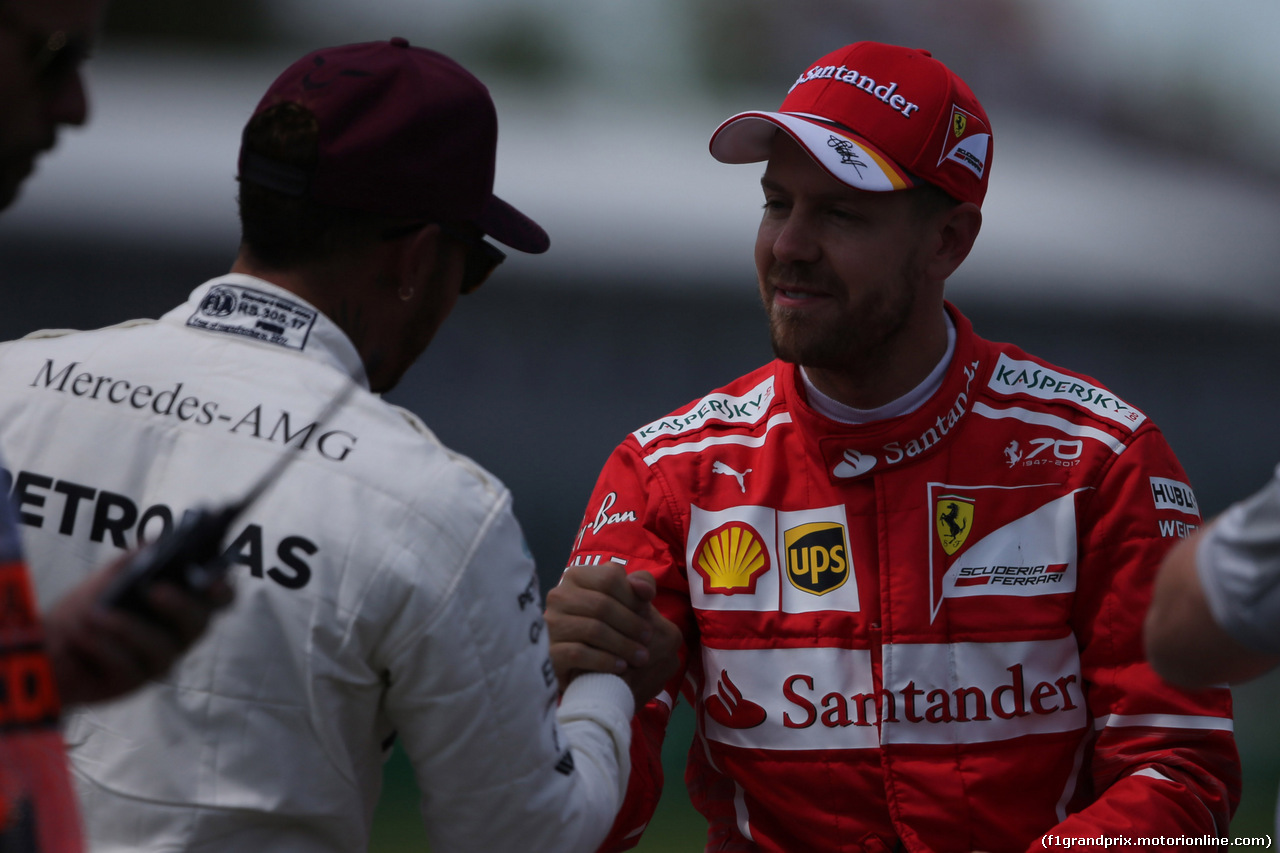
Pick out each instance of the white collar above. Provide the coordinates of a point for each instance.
(904, 405)
(251, 309)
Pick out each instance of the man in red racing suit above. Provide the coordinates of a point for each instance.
(909, 565)
(926, 628)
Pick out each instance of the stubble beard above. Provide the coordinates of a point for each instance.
(842, 341)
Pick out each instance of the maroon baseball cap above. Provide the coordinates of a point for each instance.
(878, 117)
(404, 132)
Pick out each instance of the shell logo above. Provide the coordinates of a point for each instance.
(731, 559)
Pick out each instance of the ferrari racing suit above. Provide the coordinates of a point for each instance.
(920, 633)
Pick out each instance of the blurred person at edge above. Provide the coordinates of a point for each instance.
(909, 564)
(78, 652)
(1215, 615)
(42, 46)
(384, 589)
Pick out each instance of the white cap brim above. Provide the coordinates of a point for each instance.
(748, 138)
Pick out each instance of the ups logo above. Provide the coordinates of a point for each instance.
(817, 557)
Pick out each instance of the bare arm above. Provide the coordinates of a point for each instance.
(1184, 642)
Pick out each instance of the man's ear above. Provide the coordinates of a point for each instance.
(955, 231)
(420, 254)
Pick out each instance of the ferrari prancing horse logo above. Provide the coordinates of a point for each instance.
(953, 516)
(958, 124)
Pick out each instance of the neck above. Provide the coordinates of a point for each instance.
(337, 293)
(880, 376)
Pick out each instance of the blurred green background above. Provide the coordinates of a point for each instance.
(675, 828)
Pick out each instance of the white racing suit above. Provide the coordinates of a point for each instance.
(383, 590)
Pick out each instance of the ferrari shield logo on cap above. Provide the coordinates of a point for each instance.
(968, 142)
(953, 516)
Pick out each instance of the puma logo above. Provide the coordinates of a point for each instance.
(721, 468)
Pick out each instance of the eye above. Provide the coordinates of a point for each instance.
(57, 58)
(845, 216)
(775, 204)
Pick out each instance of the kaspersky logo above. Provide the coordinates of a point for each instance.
(1021, 376)
(731, 559)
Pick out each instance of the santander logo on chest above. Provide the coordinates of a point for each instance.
(847, 459)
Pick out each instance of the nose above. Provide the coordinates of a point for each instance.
(68, 100)
(792, 240)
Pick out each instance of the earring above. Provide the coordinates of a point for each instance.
(405, 293)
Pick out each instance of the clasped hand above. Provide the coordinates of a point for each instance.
(602, 619)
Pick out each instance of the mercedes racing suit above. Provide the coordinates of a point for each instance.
(383, 591)
(921, 633)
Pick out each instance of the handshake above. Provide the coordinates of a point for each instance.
(601, 619)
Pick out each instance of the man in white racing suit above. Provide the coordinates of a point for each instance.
(384, 590)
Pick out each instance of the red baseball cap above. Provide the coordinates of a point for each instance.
(878, 117)
(404, 132)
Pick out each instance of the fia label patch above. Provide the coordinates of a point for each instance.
(237, 310)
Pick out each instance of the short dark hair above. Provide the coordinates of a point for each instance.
(930, 199)
(282, 231)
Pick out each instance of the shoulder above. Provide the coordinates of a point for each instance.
(1014, 377)
(741, 406)
(54, 337)
(42, 347)
(405, 455)
(462, 468)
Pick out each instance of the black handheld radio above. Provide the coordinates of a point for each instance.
(190, 554)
